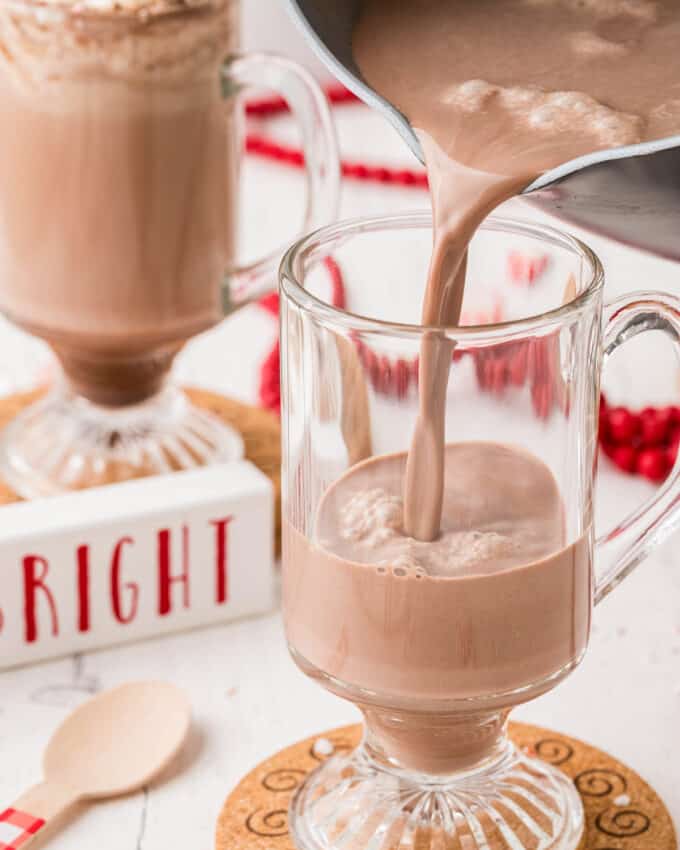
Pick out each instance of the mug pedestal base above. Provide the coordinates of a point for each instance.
(63, 443)
(515, 804)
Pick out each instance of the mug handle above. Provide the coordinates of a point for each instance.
(309, 107)
(618, 552)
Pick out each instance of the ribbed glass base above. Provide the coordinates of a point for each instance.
(516, 803)
(65, 443)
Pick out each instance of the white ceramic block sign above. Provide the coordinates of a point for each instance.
(133, 560)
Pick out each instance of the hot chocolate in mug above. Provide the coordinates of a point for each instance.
(119, 163)
(437, 640)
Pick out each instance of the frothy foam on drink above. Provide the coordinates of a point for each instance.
(163, 43)
(373, 521)
(548, 112)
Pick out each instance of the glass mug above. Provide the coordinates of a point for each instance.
(119, 161)
(436, 662)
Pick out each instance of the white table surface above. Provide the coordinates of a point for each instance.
(249, 700)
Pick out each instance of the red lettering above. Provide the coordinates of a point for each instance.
(33, 582)
(117, 587)
(83, 559)
(221, 559)
(165, 577)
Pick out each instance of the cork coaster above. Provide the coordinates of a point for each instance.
(622, 811)
(260, 430)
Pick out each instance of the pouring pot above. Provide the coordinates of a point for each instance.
(630, 194)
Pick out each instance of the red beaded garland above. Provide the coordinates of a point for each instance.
(646, 442)
(267, 106)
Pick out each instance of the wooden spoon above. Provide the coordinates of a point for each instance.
(113, 744)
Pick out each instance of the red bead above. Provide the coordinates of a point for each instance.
(385, 376)
(402, 377)
(674, 436)
(499, 374)
(487, 372)
(270, 303)
(654, 426)
(623, 425)
(625, 457)
(653, 464)
(673, 444)
(372, 366)
(603, 432)
(542, 398)
(480, 366)
(539, 360)
(415, 370)
(519, 365)
(270, 386)
(524, 269)
(536, 267)
(608, 448)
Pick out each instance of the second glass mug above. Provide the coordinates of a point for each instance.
(119, 161)
(436, 663)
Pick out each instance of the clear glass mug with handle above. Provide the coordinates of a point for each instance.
(437, 653)
(119, 162)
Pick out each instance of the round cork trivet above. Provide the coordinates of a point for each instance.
(622, 811)
(259, 428)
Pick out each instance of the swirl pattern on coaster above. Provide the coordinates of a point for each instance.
(600, 783)
(625, 823)
(554, 751)
(268, 824)
(283, 780)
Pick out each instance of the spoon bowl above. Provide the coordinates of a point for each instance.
(118, 741)
(631, 194)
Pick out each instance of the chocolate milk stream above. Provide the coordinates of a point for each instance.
(499, 91)
(118, 171)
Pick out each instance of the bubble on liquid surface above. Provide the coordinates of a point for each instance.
(373, 521)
